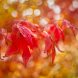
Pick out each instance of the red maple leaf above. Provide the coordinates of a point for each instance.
(49, 45)
(57, 33)
(66, 24)
(23, 40)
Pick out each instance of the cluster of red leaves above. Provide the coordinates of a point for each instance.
(25, 38)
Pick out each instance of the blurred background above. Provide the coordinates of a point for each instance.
(42, 12)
